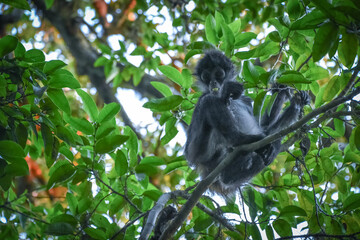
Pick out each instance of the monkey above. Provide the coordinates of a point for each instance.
(223, 119)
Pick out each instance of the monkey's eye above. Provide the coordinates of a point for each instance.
(205, 76)
(219, 73)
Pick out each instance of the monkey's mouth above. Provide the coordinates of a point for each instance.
(215, 89)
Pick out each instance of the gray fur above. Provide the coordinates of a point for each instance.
(223, 119)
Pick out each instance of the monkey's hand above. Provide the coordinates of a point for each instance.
(232, 90)
(266, 154)
(301, 98)
(282, 89)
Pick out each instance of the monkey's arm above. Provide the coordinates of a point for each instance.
(218, 116)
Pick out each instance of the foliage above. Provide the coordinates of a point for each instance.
(70, 169)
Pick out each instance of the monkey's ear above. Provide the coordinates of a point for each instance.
(203, 87)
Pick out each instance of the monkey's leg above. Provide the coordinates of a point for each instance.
(291, 113)
(269, 152)
(272, 115)
(242, 169)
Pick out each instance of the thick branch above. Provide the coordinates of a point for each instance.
(218, 217)
(204, 184)
(151, 220)
(85, 55)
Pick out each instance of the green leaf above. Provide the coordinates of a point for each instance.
(172, 73)
(110, 143)
(274, 36)
(201, 45)
(269, 232)
(324, 40)
(298, 43)
(63, 80)
(235, 26)
(352, 202)
(104, 48)
(64, 218)
(187, 78)
(11, 149)
(351, 157)
(57, 96)
(243, 39)
(80, 124)
(357, 137)
(309, 20)
(100, 221)
(59, 229)
(139, 51)
(292, 211)
(294, 8)
(121, 164)
(192, 53)
(169, 135)
(348, 49)
(19, 50)
(72, 202)
(108, 112)
(115, 206)
(162, 88)
(95, 233)
(133, 142)
(47, 138)
(174, 165)
(152, 160)
(49, 3)
(245, 54)
(267, 49)
(164, 104)
(64, 134)
(254, 231)
(219, 19)
(34, 56)
(148, 169)
(339, 126)
(105, 129)
(60, 172)
(7, 45)
(332, 88)
(101, 61)
(17, 167)
(89, 105)
(21, 133)
(53, 65)
(21, 4)
(228, 38)
(316, 73)
(153, 194)
(250, 72)
(202, 222)
(290, 77)
(210, 32)
(282, 227)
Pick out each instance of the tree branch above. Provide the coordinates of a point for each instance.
(85, 55)
(205, 183)
(155, 211)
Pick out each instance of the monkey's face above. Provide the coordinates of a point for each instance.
(213, 70)
(213, 78)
